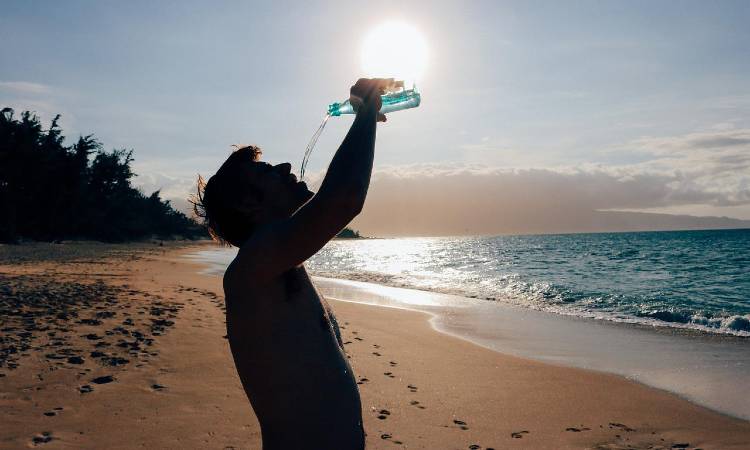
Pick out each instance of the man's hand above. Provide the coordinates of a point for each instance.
(366, 94)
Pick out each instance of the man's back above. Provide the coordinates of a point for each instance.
(290, 363)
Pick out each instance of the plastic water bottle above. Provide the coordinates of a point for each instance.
(392, 101)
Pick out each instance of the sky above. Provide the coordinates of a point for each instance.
(577, 107)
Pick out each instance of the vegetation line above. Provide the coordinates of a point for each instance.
(50, 191)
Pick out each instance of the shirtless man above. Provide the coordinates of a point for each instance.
(283, 336)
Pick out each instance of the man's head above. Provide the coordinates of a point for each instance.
(245, 193)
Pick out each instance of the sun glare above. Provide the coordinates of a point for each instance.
(394, 50)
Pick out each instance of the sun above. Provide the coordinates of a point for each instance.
(394, 50)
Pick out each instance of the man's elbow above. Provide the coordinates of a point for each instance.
(353, 206)
(347, 207)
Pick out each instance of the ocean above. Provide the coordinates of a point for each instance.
(686, 279)
(683, 279)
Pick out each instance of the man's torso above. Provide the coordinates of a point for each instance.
(293, 369)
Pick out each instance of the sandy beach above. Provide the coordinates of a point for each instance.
(123, 347)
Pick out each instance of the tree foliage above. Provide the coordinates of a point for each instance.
(49, 191)
(348, 233)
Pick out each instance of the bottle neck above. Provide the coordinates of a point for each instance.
(337, 109)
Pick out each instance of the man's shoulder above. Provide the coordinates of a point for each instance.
(245, 272)
(238, 284)
(252, 260)
(239, 270)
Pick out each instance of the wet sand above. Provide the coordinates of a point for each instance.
(123, 347)
(707, 369)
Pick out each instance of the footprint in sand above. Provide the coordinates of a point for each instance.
(461, 424)
(412, 388)
(383, 414)
(392, 363)
(158, 387)
(389, 374)
(358, 338)
(362, 380)
(417, 404)
(376, 354)
(114, 361)
(387, 436)
(578, 430)
(85, 389)
(103, 380)
(518, 434)
(43, 438)
(621, 426)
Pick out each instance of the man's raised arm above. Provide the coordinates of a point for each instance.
(288, 243)
(348, 175)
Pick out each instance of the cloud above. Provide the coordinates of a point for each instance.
(707, 170)
(699, 172)
(41, 99)
(716, 139)
(714, 163)
(432, 201)
(23, 87)
(176, 189)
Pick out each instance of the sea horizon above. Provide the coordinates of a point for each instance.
(561, 233)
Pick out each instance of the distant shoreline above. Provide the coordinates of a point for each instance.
(417, 236)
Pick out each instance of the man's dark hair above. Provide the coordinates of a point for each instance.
(216, 201)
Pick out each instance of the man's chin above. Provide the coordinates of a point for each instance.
(305, 194)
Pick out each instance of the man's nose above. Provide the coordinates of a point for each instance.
(283, 168)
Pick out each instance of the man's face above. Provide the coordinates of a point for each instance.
(282, 194)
